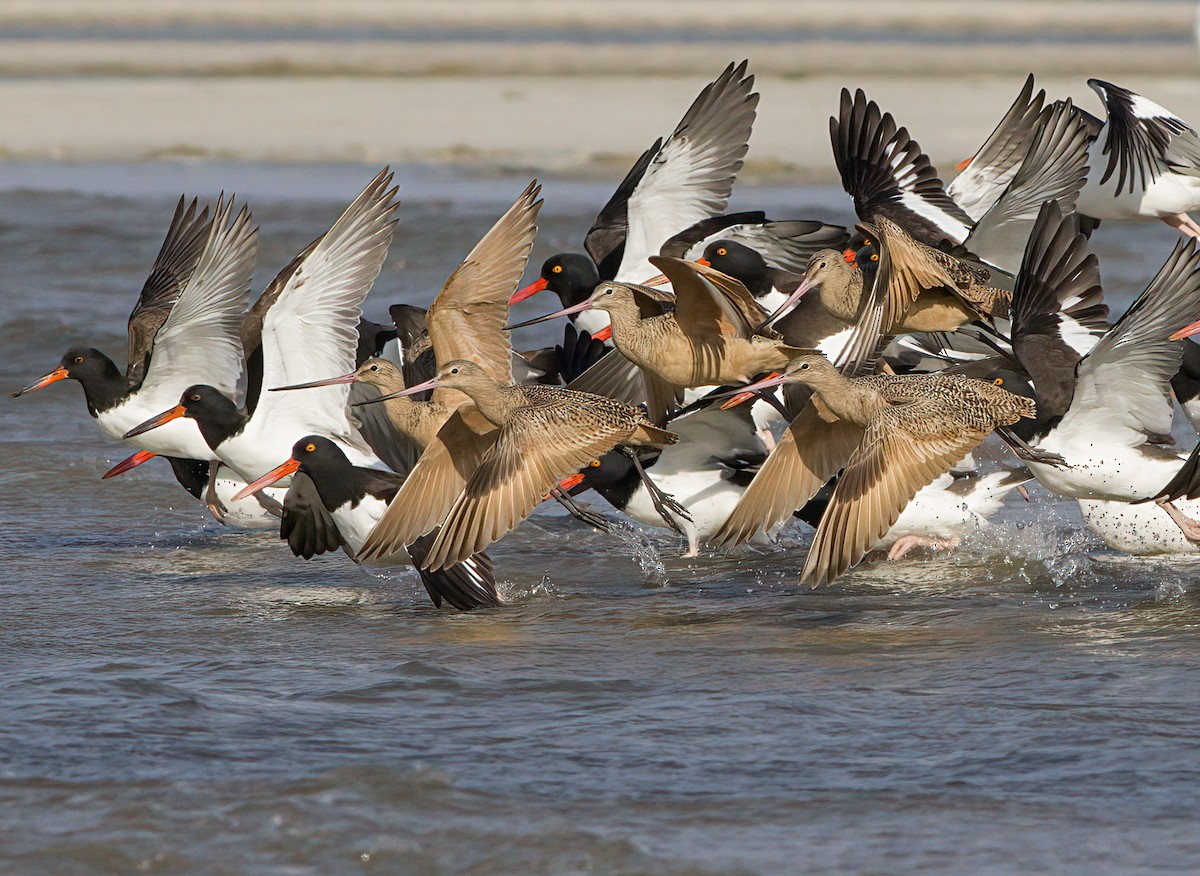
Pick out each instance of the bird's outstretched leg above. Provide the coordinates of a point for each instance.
(1184, 223)
(215, 506)
(583, 515)
(1189, 527)
(1027, 453)
(906, 543)
(665, 505)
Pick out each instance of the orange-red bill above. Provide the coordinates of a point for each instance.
(775, 378)
(704, 261)
(128, 464)
(570, 483)
(964, 164)
(154, 422)
(1186, 332)
(849, 256)
(604, 334)
(276, 474)
(54, 376)
(528, 292)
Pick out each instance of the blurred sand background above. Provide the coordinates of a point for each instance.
(565, 87)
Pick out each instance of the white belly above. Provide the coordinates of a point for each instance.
(1140, 530)
(1168, 195)
(245, 513)
(939, 512)
(180, 438)
(591, 321)
(709, 499)
(1116, 473)
(356, 523)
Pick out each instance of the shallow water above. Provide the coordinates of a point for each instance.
(178, 698)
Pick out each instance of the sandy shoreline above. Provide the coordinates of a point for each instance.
(567, 87)
(584, 126)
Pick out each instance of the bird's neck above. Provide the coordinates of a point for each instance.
(106, 389)
(852, 400)
(220, 423)
(840, 294)
(496, 401)
(625, 319)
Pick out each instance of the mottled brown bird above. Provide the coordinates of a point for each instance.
(891, 435)
(466, 320)
(497, 457)
(712, 337)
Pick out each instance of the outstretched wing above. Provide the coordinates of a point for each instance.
(201, 340)
(811, 451)
(708, 302)
(311, 331)
(1058, 311)
(883, 474)
(536, 448)
(467, 318)
(995, 164)
(605, 240)
(691, 176)
(1144, 139)
(168, 278)
(1123, 387)
(1054, 168)
(886, 173)
(434, 483)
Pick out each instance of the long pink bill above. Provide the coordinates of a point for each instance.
(128, 464)
(312, 384)
(276, 474)
(566, 311)
(412, 390)
(788, 305)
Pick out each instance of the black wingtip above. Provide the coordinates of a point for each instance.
(465, 586)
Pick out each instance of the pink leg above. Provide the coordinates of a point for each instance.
(906, 543)
(1189, 527)
(1184, 223)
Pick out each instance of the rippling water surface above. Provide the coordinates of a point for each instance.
(178, 698)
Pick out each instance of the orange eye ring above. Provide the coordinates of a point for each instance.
(195, 396)
(722, 251)
(999, 381)
(875, 257)
(595, 463)
(557, 269)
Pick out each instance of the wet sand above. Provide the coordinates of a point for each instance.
(562, 88)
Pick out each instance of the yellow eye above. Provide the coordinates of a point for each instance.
(78, 360)
(195, 396)
(595, 463)
(310, 447)
(722, 251)
(557, 269)
(999, 381)
(874, 256)
(867, 243)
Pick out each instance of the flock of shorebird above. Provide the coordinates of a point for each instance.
(722, 373)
